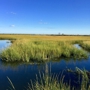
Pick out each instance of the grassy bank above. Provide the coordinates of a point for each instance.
(26, 50)
(86, 45)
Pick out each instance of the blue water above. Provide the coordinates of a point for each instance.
(21, 73)
(4, 44)
(77, 46)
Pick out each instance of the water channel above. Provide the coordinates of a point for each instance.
(21, 73)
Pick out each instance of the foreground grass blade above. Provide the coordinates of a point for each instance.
(11, 84)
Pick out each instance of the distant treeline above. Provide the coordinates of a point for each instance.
(45, 34)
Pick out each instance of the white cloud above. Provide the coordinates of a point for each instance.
(12, 25)
(42, 22)
(45, 23)
(13, 13)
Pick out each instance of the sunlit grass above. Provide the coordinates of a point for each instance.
(43, 47)
(85, 45)
(25, 50)
(44, 37)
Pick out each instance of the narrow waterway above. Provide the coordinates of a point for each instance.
(77, 46)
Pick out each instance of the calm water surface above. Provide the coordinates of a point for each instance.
(77, 46)
(21, 73)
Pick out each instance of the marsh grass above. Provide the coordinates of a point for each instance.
(45, 81)
(85, 83)
(11, 84)
(43, 37)
(85, 45)
(27, 51)
(48, 83)
(43, 47)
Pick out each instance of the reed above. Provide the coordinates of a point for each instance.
(48, 83)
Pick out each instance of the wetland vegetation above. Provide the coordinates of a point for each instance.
(41, 48)
(46, 81)
(36, 48)
(40, 51)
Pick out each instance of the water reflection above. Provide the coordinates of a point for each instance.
(25, 72)
(67, 62)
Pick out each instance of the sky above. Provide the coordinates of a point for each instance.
(45, 16)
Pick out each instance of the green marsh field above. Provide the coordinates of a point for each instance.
(41, 48)
(44, 48)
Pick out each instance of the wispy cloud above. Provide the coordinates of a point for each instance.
(12, 25)
(45, 23)
(13, 13)
(42, 22)
(50, 27)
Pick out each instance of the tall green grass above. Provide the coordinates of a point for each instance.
(86, 45)
(41, 51)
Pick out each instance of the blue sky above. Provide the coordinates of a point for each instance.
(45, 16)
